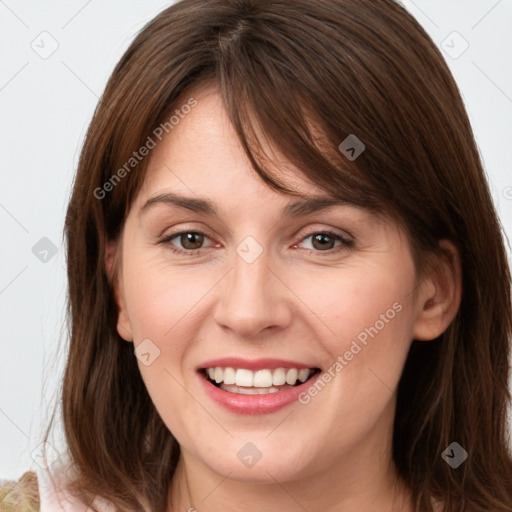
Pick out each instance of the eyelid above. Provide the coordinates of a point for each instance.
(182, 229)
(307, 232)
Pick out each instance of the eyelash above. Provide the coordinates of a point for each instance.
(197, 252)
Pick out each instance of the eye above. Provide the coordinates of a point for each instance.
(322, 241)
(190, 241)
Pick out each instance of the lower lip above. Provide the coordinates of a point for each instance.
(255, 404)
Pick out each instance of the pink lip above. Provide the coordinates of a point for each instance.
(255, 404)
(254, 364)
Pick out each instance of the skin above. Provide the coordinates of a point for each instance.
(297, 301)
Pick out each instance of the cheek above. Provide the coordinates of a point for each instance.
(366, 318)
(159, 298)
(347, 301)
(162, 304)
(366, 323)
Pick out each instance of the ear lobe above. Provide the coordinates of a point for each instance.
(115, 277)
(440, 295)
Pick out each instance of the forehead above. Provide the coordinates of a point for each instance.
(202, 155)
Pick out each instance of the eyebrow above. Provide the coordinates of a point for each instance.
(304, 206)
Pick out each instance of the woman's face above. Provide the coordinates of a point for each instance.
(267, 293)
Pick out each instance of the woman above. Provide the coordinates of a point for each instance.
(287, 282)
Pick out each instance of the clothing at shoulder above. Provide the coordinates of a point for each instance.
(53, 495)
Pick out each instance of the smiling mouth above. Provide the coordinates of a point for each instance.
(260, 382)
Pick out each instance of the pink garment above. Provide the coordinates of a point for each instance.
(53, 495)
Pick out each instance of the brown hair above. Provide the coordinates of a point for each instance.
(341, 67)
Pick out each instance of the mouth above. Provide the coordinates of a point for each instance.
(257, 382)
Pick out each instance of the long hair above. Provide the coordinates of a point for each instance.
(309, 74)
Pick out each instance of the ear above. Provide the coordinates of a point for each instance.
(440, 294)
(115, 276)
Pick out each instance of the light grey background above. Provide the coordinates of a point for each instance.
(46, 103)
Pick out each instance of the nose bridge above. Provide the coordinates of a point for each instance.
(252, 298)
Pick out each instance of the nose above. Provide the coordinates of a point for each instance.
(254, 298)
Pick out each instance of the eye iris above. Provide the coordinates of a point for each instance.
(196, 239)
(322, 238)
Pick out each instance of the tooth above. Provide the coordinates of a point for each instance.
(229, 376)
(230, 388)
(219, 374)
(243, 377)
(304, 374)
(279, 377)
(247, 391)
(291, 376)
(262, 379)
(252, 391)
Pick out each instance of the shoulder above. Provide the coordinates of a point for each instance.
(20, 495)
(54, 492)
(44, 490)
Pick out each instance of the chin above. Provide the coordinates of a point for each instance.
(260, 462)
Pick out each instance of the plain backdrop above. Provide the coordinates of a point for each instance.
(55, 61)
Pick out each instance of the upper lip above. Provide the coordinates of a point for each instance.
(253, 364)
